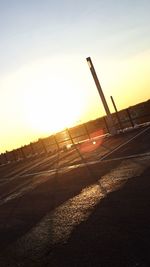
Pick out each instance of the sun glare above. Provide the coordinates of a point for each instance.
(51, 110)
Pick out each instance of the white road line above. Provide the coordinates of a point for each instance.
(66, 168)
(125, 143)
(57, 226)
(30, 186)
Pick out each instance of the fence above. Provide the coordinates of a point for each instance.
(129, 118)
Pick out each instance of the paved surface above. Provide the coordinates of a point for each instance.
(87, 206)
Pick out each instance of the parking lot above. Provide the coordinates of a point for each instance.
(85, 206)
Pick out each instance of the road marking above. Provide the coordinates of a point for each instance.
(29, 186)
(57, 226)
(125, 143)
(66, 168)
(63, 169)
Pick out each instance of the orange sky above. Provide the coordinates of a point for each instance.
(45, 82)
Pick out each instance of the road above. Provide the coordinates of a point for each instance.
(87, 206)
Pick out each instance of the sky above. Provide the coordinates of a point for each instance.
(45, 82)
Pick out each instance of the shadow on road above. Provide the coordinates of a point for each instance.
(21, 214)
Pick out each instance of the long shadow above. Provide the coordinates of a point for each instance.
(15, 168)
(21, 214)
(116, 234)
(50, 163)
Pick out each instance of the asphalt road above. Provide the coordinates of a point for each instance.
(88, 206)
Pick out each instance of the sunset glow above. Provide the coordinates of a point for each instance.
(51, 110)
(45, 82)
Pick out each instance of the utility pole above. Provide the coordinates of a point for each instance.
(111, 126)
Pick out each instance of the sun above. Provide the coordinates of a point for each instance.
(51, 109)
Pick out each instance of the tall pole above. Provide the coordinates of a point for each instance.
(111, 126)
